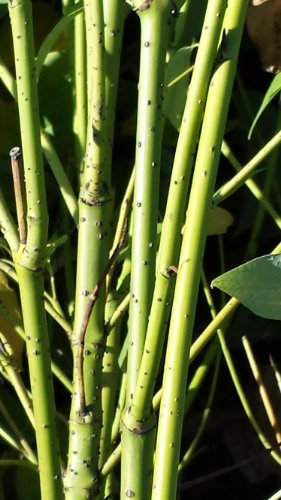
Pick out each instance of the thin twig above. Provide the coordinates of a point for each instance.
(224, 470)
(15, 154)
(92, 300)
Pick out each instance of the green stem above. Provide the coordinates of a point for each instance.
(23, 444)
(202, 425)
(8, 226)
(123, 217)
(189, 270)
(111, 374)
(17, 383)
(253, 187)
(247, 171)
(241, 394)
(271, 166)
(219, 320)
(37, 216)
(80, 81)
(48, 149)
(93, 243)
(8, 438)
(38, 350)
(60, 175)
(154, 32)
(93, 253)
(6, 267)
(176, 204)
(138, 437)
(29, 259)
(119, 409)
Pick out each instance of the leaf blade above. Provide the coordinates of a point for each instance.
(256, 284)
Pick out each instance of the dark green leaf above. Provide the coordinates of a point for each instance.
(53, 36)
(256, 284)
(177, 82)
(273, 89)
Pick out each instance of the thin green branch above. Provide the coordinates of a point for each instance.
(252, 186)
(202, 425)
(80, 96)
(247, 171)
(189, 269)
(22, 445)
(241, 394)
(18, 385)
(8, 226)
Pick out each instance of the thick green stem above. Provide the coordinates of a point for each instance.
(176, 204)
(188, 278)
(37, 217)
(138, 436)
(38, 350)
(93, 253)
(48, 150)
(154, 33)
(29, 259)
(85, 417)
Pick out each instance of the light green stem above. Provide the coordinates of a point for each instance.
(138, 436)
(202, 425)
(38, 349)
(176, 204)
(93, 236)
(80, 97)
(154, 32)
(16, 381)
(8, 226)
(22, 442)
(93, 252)
(111, 376)
(189, 270)
(29, 259)
(243, 399)
(253, 187)
(247, 171)
(48, 149)
(271, 166)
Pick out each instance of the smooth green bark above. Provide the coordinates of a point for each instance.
(94, 233)
(188, 278)
(176, 204)
(138, 435)
(30, 257)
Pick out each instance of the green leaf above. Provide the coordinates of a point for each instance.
(53, 36)
(273, 89)
(256, 284)
(177, 77)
